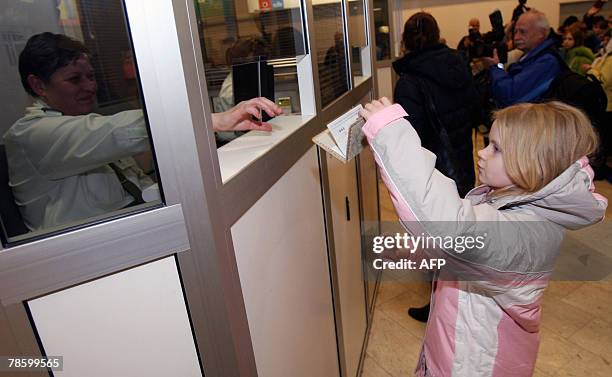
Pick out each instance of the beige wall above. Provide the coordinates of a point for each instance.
(453, 16)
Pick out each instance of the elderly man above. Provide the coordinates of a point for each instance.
(529, 78)
(473, 34)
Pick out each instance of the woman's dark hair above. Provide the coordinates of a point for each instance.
(569, 21)
(44, 54)
(576, 33)
(420, 31)
(246, 48)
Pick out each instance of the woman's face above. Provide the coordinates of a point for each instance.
(491, 168)
(72, 88)
(568, 41)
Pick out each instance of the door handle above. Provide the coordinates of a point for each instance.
(348, 208)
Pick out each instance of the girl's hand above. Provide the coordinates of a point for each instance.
(374, 107)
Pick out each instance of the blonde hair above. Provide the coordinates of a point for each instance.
(540, 141)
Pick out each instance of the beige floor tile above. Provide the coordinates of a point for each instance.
(555, 351)
(593, 297)
(392, 286)
(587, 364)
(598, 236)
(389, 289)
(580, 261)
(397, 308)
(387, 211)
(605, 188)
(372, 369)
(394, 348)
(595, 337)
(539, 373)
(562, 289)
(563, 318)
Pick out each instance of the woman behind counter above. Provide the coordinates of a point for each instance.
(67, 163)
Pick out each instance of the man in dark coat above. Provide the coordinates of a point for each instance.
(436, 90)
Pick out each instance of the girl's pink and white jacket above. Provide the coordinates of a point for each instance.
(484, 321)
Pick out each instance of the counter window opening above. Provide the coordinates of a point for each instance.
(358, 41)
(76, 147)
(329, 34)
(382, 30)
(249, 50)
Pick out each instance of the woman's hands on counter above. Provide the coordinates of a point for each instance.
(374, 107)
(240, 117)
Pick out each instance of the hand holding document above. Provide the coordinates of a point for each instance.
(343, 138)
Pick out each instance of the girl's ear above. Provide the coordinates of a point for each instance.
(37, 85)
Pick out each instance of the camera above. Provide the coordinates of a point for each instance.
(483, 45)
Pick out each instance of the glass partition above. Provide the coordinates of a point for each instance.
(331, 49)
(256, 41)
(381, 26)
(76, 145)
(358, 39)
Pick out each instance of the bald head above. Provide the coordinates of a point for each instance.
(531, 30)
(474, 24)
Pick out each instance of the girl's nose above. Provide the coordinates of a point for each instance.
(481, 153)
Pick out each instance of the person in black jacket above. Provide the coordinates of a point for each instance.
(436, 90)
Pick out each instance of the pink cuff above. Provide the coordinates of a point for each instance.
(382, 118)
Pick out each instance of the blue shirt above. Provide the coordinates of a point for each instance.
(528, 79)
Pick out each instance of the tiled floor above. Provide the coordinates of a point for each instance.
(576, 332)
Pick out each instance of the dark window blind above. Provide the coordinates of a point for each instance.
(381, 25)
(111, 51)
(331, 51)
(231, 34)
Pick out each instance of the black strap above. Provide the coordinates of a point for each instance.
(128, 185)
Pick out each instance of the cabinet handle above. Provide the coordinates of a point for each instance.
(348, 209)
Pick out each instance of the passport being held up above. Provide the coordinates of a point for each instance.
(343, 138)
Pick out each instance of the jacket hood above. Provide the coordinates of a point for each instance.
(439, 64)
(568, 200)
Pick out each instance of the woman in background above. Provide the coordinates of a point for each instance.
(574, 51)
(436, 90)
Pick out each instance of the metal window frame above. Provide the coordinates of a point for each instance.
(391, 5)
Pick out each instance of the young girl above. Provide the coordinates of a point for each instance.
(485, 310)
(575, 53)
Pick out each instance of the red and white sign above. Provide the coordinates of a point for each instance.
(265, 4)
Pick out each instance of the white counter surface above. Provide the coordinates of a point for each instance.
(241, 152)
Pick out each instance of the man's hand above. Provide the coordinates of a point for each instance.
(374, 107)
(240, 117)
(487, 62)
(593, 11)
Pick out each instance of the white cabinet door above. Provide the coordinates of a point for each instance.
(133, 323)
(349, 282)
